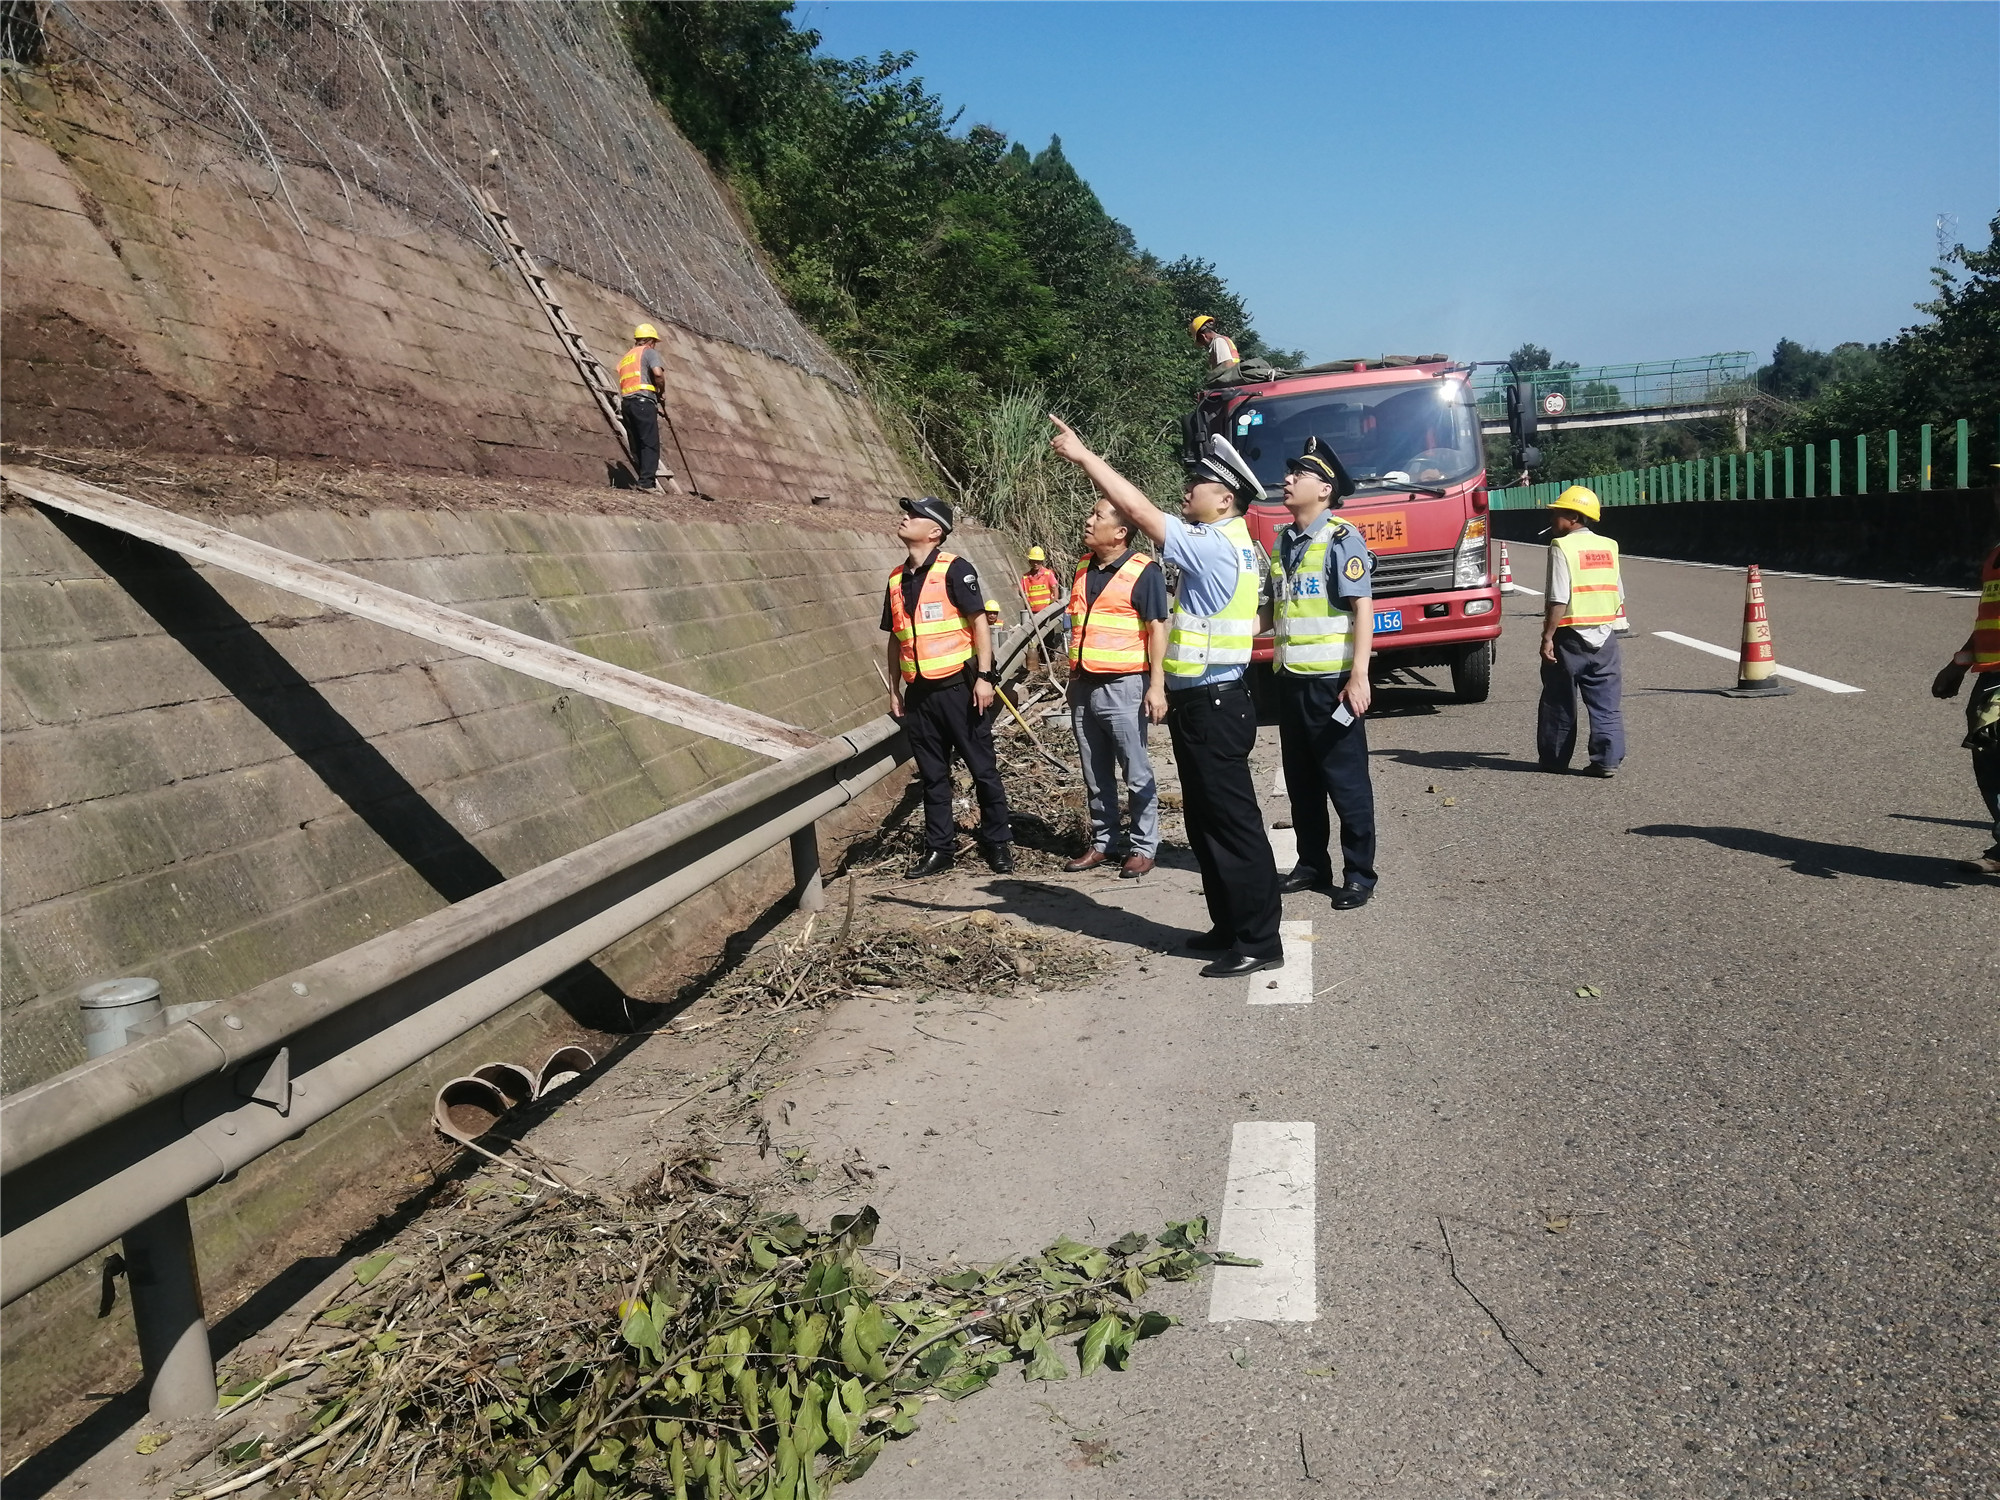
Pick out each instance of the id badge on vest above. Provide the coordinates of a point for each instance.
(930, 614)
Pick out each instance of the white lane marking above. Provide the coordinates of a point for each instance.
(1522, 588)
(1293, 984)
(1824, 684)
(1269, 1212)
(1912, 588)
(1278, 782)
(1284, 849)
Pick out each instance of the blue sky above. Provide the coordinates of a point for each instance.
(1615, 181)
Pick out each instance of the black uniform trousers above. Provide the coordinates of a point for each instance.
(641, 416)
(1986, 756)
(1327, 761)
(939, 720)
(1213, 729)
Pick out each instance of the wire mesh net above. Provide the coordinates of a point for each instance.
(420, 105)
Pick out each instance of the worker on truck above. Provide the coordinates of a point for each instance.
(1980, 655)
(1322, 580)
(1210, 716)
(642, 380)
(1223, 359)
(1580, 653)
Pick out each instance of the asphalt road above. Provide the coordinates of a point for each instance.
(1724, 1227)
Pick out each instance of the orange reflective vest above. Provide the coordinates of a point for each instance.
(1040, 587)
(1986, 624)
(631, 377)
(1593, 578)
(1106, 635)
(939, 640)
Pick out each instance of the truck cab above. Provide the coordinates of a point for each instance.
(1408, 432)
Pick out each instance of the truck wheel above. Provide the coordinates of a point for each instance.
(1472, 673)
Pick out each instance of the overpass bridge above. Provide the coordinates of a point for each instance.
(1659, 391)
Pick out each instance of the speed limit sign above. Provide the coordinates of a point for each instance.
(1554, 404)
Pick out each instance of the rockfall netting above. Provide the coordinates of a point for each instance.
(420, 106)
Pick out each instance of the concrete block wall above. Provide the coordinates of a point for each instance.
(211, 782)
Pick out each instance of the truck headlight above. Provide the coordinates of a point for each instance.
(1469, 566)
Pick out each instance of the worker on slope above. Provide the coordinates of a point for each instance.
(1210, 716)
(942, 684)
(1117, 686)
(1322, 587)
(642, 378)
(1039, 583)
(1224, 361)
(1980, 655)
(1580, 652)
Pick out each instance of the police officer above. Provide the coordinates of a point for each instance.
(642, 377)
(1322, 581)
(942, 684)
(1580, 654)
(1210, 716)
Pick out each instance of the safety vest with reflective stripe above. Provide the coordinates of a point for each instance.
(939, 640)
(632, 376)
(1986, 624)
(1593, 578)
(1106, 635)
(1195, 643)
(1314, 634)
(1040, 587)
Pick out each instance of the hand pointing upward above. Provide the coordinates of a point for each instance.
(1067, 444)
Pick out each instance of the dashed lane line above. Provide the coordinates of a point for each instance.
(1270, 1212)
(1522, 588)
(1824, 684)
(1293, 984)
(1909, 588)
(1284, 849)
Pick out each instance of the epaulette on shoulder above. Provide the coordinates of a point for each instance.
(1340, 529)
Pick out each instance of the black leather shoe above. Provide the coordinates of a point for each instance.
(1304, 879)
(1348, 897)
(999, 858)
(1236, 965)
(1602, 773)
(1210, 942)
(934, 862)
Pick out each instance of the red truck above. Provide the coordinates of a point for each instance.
(1408, 432)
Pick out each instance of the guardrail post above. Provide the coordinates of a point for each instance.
(159, 1258)
(1964, 454)
(1812, 466)
(1924, 457)
(1861, 464)
(806, 884)
(1889, 483)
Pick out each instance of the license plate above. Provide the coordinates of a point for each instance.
(1388, 621)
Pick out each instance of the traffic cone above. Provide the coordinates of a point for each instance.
(1757, 668)
(1506, 571)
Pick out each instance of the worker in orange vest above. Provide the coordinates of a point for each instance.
(1980, 655)
(642, 378)
(1118, 610)
(1040, 583)
(942, 684)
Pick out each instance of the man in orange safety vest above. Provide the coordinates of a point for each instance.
(642, 379)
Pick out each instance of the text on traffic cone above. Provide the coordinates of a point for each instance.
(1757, 666)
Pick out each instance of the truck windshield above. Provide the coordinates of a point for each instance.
(1409, 433)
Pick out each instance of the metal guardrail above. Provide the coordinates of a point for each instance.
(1635, 387)
(124, 1139)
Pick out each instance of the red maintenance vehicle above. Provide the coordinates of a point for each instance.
(1408, 431)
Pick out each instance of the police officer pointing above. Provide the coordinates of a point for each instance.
(941, 683)
(1210, 716)
(1322, 581)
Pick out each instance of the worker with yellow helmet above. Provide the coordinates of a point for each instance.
(1580, 653)
(642, 378)
(1223, 358)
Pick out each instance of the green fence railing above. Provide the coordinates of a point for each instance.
(1711, 378)
(1810, 471)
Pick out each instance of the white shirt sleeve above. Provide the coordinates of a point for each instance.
(1558, 589)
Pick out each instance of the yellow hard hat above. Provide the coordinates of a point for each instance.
(1578, 499)
(1200, 323)
(993, 606)
(1036, 554)
(645, 331)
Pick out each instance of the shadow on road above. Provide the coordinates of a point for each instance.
(1822, 860)
(1972, 823)
(1458, 760)
(1049, 905)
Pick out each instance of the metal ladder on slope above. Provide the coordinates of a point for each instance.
(596, 379)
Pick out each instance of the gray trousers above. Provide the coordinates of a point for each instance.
(1597, 673)
(1108, 715)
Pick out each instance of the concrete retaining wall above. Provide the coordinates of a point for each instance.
(1937, 537)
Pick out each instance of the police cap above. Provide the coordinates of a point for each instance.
(930, 508)
(1320, 461)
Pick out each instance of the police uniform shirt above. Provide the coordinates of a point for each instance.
(1207, 562)
(1557, 592)
(961, 586)
(1149, 592)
